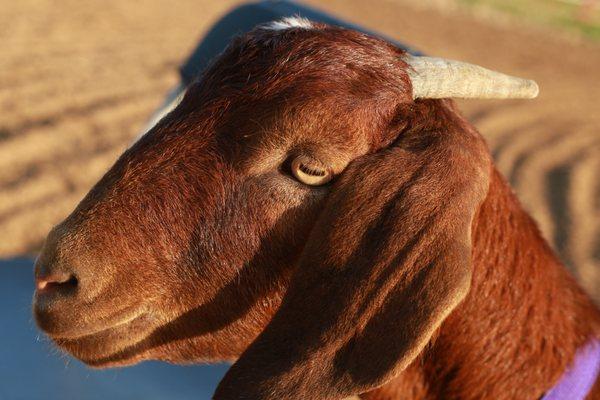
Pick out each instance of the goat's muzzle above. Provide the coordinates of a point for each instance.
(81, 304)
(58, 289)
(52, 290)
(66, 303)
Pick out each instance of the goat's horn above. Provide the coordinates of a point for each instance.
(436, 78)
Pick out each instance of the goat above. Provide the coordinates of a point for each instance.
(318, 211)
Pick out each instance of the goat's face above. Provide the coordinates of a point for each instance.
(184, 249)
(222, 232)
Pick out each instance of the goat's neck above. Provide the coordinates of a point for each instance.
(518, 328)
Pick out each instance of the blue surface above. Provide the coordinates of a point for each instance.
(31, 369)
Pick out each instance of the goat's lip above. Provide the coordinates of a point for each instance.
(109, 347)
(67, 324)
(52, 296)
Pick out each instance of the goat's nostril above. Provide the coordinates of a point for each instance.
(63, 281)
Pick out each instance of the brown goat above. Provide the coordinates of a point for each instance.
(414, 273)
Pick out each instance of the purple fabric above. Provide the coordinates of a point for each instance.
(579, 378)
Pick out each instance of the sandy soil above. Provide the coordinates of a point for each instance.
(78, 80)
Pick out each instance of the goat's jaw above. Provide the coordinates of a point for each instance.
(138, 339)
(116, 345)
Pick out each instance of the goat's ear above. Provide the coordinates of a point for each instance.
(388, 259)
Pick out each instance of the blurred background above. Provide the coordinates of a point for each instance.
(79, 80)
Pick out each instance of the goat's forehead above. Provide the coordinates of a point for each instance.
(304, 49)
(295, 84)
(310, 76)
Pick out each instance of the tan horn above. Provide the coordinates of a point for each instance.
(436, 78)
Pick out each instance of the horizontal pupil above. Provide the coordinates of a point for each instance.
(310, 171)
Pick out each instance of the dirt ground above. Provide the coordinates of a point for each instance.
(79, 79)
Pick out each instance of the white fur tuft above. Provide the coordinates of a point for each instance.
(289, 23)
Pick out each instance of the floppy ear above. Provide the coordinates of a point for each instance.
(388, 259)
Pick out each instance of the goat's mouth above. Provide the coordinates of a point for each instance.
(98, 343)
(111, 346)
(79, 320)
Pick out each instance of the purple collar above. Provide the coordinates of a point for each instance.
(577, 381)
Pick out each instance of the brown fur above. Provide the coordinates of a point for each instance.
(414, 274)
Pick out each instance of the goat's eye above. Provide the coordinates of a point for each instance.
(310, 172)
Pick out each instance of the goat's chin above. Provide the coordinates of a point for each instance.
(101, 358)
(141, 339)
(120, 345)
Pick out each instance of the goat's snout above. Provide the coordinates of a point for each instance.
(61, 285)
(78, 298)
(48, 281)
(56, 296)
(55, 280)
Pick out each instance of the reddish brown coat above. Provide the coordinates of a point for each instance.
(414, 274)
